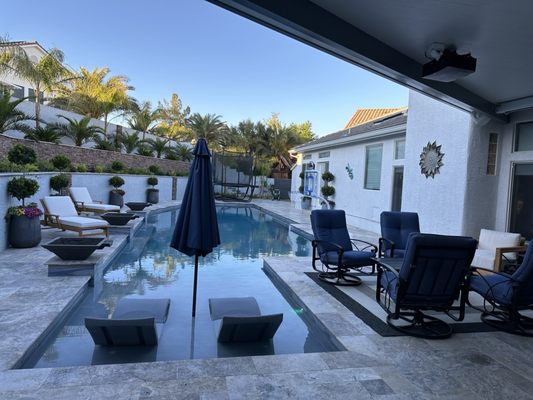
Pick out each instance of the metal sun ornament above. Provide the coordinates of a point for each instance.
(431, 160)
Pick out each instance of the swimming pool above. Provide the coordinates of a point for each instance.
(149, 268)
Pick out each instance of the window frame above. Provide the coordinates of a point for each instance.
(367, 149)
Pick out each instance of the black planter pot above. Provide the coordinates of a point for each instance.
(152, 195)
(116, 199)
(306, 203)
(76, 248)
(24, 232)
(137, 205)
(118, 219)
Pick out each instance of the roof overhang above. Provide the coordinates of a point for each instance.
(367, 33)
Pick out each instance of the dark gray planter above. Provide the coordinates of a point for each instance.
(76, 248)
(116, 199)
(24, 232)
(152, 195)
(306, 203)
(137, 205)
(118, 219)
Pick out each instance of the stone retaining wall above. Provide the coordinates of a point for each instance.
(92, 157)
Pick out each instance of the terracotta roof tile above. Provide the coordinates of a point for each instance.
(364, 115)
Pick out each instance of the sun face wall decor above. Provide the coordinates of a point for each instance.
(431, 160)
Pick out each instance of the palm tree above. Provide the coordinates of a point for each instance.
(10, 118)
(143, 118)
(144, 150)
(183, 152)
(131, 141)
(173, 118)
(210, 127)
(95, 95)
(80, 131)
(44, 75)
(159, 146)
(47, 133)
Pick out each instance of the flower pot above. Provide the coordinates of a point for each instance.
(137, 205)
(116, 199)
(118, 219)
(306, 203)
(152, 195)
(24, 232)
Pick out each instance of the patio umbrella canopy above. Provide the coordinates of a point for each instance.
(196, 231)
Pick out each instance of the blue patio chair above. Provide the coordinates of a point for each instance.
(395, 229)
(432, 276)
(505, 296)
(339, 255)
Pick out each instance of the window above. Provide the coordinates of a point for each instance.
(524, 137)
(18, 91)
(307, 156)
(399, 149)
(493, 151)
(323, 154)
(373, 167)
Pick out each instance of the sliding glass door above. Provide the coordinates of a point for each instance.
(521, 208)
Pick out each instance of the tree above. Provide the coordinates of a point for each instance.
(210, 127)
(45, 75)
(95, 95)
(183, 152)
(144, 118)
(80, 131)
(47, 133)
(304, 131)
(173, 118)
(131, 141)
(158, 146)
(12, 119)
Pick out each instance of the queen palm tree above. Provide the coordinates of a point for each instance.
(80, 131)
(46, 133)
(12, 119)
(210, 127)
(143, 119)
(45, 75)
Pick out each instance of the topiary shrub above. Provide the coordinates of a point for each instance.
(328, 177)
(152, 181)
(301, 175)
(22, 188)
(301, 189)
(21, 155)
(59, 182)
(116, 182)
(81, 168)
(154, 169)
(45, 166)
(116, 166)
(61, 162)
(327, 191)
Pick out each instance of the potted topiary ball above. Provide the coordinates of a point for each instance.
(152, 194)
(116, 195)
(59, 183)
(24, 225)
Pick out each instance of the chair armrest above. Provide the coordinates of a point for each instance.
(500, 253)
(97, 201)
(368, 244)
(478, 270)
(339, 247)
(381, 242)
(80, 204)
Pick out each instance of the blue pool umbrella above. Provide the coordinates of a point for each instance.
(196, 231)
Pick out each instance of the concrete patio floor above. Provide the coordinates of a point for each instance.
(467, 366)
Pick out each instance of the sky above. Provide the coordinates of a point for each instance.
(217, 61)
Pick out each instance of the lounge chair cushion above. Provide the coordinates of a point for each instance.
(239, 319)
(101, 207)
(83, 222)
(61, 206)
(488, 242)
(349, 258)
(493, 287)
(128, 308)
(81, 194)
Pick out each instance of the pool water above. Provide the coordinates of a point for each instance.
(149, 268)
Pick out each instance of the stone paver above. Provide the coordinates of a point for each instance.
(467, 366)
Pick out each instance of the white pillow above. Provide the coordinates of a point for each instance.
(81, 194)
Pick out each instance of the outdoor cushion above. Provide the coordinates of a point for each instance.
(330, 227)
(396, 227)
(349, 258)
(83, 222)
(81, 194)
(484, 259)
(103, 207)
(60, 205)
(128, 308)
(493, 287)
(233, 306)
(488, 242)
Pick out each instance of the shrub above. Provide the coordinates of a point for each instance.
(45, 166)
(116, 182)
(22, 188)
(8, 166)
(98, 169)
(182, 173)
(61, 162)
(301, 189)
(116, 166)
(301, 175)
(328, 177)
(154, 169)
(137, 171)
(59, 182)
(152, 181)
(327, 191)
(81, 168)
(20, 154)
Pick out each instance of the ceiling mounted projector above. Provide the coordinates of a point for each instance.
(449, 67)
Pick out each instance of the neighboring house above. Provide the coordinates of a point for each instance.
(19, 87)
(486, 180)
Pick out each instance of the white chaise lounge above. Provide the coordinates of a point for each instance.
(60, 212)
(84, 202)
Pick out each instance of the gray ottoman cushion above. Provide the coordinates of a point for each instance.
(233, 306)
(128, 308)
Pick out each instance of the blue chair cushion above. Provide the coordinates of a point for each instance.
(330, 226)
(502, 289)
(396, 227)
(398, 253)
(349, 258)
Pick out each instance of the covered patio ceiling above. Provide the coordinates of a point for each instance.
(390, 38)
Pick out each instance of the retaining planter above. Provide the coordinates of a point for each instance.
(152, 196)
(76, 248)
(116, 199)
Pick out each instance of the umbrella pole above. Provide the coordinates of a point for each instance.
(195, 285)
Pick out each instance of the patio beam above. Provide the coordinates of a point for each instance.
(311, 24)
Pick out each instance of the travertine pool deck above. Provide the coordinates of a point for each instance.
(467, 366)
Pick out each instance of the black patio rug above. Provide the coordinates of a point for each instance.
(376, 323)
